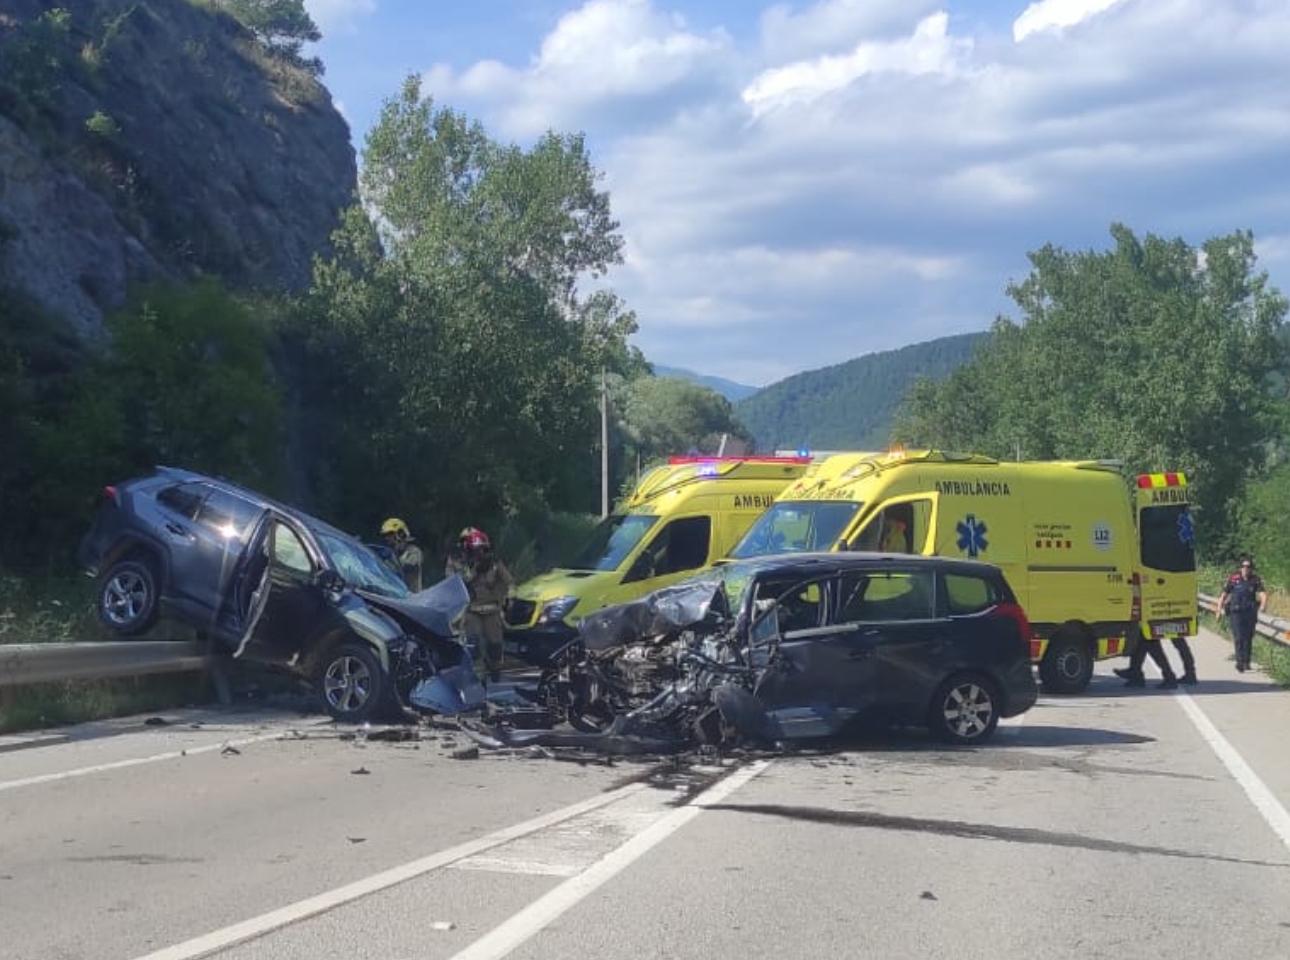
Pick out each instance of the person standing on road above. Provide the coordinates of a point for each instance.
(1148, 646)
(1243, 599)
(489, 583)
(404, 555)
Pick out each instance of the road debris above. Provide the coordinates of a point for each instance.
(443, 925)
(156, 722)
(230, 751)
(395, 735)
(466, 753)
(357, 839)
(361, 772)
(928, 895)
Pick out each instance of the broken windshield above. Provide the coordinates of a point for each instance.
(361, 568)
(797, 526)
(613, 541)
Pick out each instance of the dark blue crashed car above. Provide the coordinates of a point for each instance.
(794, 647)
(270, 584)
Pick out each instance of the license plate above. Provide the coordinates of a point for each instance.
(1170, 628)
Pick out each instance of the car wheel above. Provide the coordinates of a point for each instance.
(1067, 666)
(965, 709)
(127, 602)
(352, 683)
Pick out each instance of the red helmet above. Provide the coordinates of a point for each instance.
(472, 538)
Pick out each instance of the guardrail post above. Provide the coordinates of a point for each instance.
(217, 669)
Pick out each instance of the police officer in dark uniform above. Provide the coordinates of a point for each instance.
(1243, 599)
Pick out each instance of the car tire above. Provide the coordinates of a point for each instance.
(1067, 666)
(352, 684)
(965, 709)
(127, 599)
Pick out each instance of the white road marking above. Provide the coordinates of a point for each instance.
(138, 761)
(519, 928)
(1264, 800)
(238, 933)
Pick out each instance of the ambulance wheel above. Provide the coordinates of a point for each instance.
(1067, 666)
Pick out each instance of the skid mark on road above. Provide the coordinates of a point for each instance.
(976, 831)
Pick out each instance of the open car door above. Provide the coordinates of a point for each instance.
(284, 607)
(1166, 554)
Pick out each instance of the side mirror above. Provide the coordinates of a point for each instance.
(330, 581)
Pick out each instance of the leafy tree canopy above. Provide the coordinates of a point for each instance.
(1154, 352)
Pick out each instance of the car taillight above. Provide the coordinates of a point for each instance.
(1013, 612)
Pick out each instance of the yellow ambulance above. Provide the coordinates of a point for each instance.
(681, 517)
(1091, 562)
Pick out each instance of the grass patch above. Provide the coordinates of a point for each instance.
(58, 704)
(47, 609)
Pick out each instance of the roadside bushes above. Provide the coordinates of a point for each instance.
(187, 381)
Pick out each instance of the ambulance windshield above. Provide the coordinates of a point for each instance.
(796, 526)
(613, 540)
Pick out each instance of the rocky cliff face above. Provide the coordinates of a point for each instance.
(145, 139)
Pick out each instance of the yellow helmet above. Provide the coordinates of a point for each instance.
(396, 526)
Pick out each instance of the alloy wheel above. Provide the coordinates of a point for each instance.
(125, 598)
(347, 684)
(968, 709)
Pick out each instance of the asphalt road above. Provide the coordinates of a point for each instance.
(1115, 824)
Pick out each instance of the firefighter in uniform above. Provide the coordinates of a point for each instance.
(489, 583)
(1243, 599)
(402, 554)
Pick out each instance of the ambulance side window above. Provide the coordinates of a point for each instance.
(899, 528)
(681, 545)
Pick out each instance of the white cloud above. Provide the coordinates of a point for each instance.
(929, 50)
(918, 163)
(832, 25)
(334, 14)
(604, 50)
(1056, 15)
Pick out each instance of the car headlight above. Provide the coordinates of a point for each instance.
(557, 609)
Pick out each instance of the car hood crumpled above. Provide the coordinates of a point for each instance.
(434, 609)
(667, 610)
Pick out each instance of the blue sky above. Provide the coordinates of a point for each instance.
(803, 182)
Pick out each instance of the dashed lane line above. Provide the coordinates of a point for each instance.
(515, 931)
(256, 927)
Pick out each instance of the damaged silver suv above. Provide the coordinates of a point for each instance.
(273, 585)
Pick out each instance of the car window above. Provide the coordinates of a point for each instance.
(183, 498)
(681, 545)
(885, 596)
(615, 537)
(288, 551)
(227, 514)
(967, 594)
(899, 528)
(783, 606)
(1168, 539)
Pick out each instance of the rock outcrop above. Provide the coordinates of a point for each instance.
(144, 139)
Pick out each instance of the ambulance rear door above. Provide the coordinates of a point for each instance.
(1166, 554)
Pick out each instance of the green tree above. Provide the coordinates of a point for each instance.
(665, 415)
(283, 26)
(1154, 352)
(446, 335)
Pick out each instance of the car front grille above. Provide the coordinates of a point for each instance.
(519, 613)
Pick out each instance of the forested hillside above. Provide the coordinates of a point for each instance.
(849, 406)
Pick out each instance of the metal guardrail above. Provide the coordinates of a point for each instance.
(1276, 629)
(23, 663)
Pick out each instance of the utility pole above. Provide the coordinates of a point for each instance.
(604, 444)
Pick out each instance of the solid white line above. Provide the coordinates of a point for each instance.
(231, 936)
(137, 761)
(1264, 800)
(519, 928)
